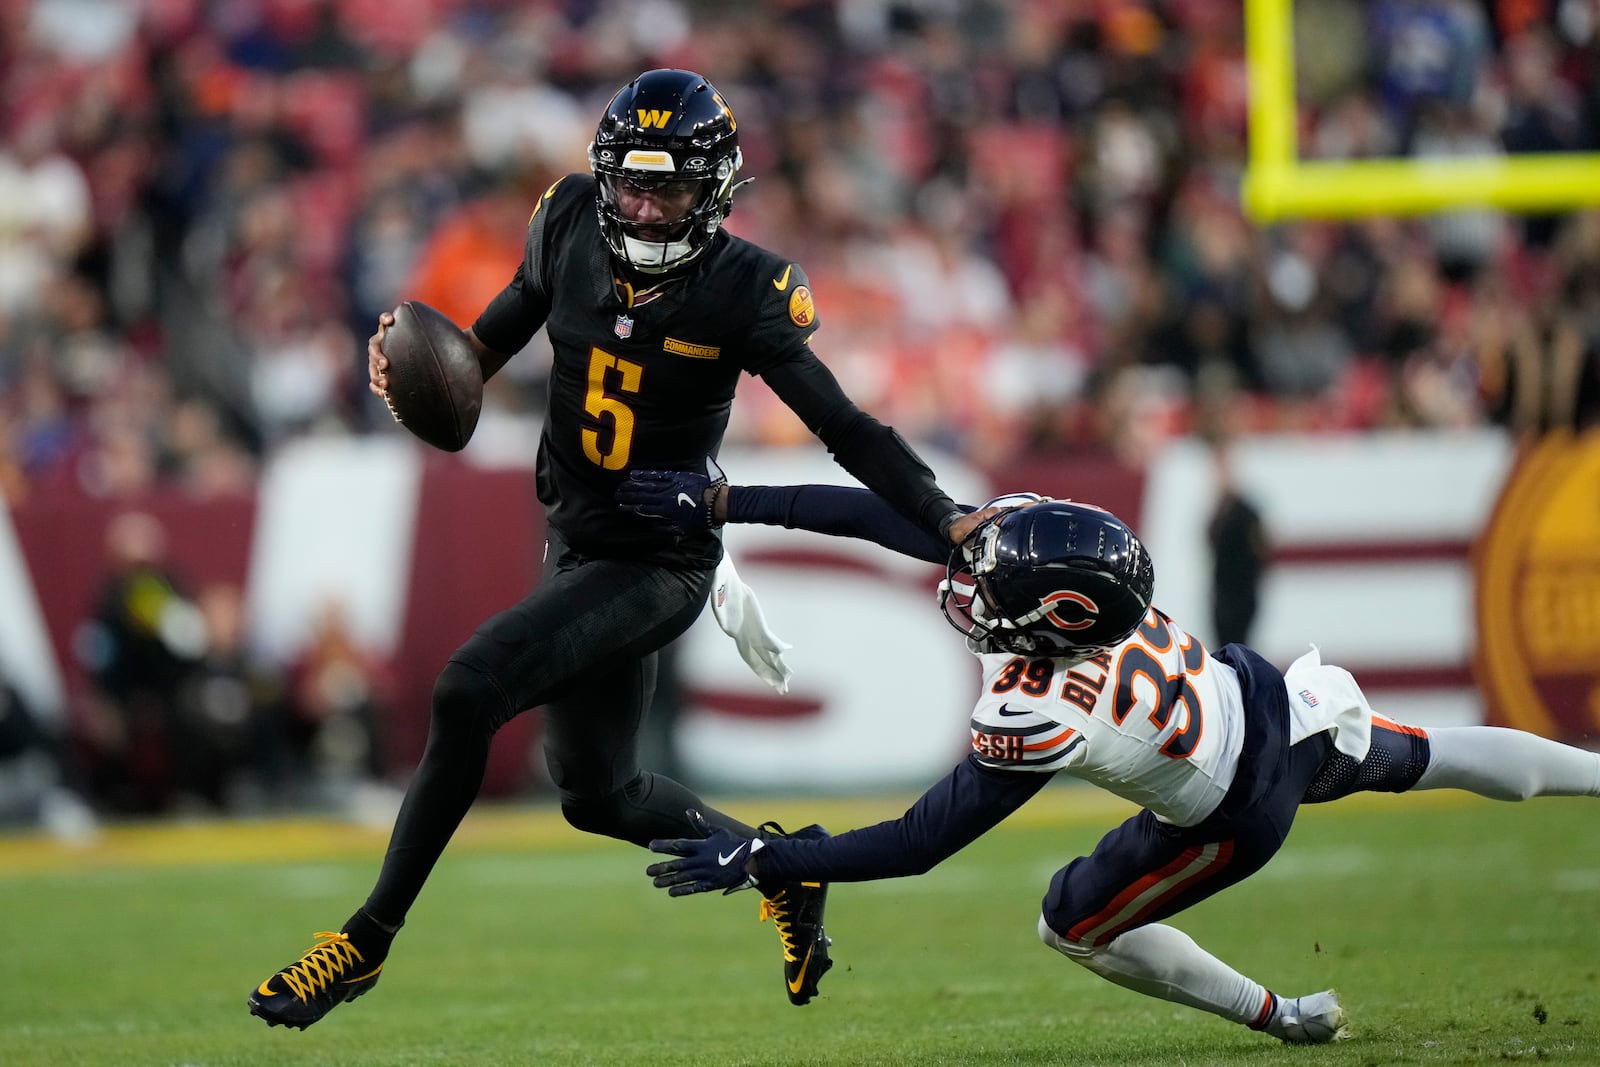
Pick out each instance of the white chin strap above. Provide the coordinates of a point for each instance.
(655, 255)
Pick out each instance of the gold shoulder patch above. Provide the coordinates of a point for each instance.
(684, 348)
(801, 311)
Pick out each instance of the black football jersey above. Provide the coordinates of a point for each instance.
(644, 379)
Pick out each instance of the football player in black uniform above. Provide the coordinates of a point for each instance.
(653, 312)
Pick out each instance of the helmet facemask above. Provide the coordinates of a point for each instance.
(967, 598)
(659, 246)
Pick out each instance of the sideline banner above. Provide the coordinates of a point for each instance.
(1538, 593)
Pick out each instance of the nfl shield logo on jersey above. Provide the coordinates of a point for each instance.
(624, 327)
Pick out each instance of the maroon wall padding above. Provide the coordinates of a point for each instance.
(477, 546)
(62, 537)
(479, 539)
(1098, 480)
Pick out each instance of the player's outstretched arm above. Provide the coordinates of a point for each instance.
(961, 807)
(690, 500)
(836, 510)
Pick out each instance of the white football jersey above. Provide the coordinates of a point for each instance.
(1156, 720)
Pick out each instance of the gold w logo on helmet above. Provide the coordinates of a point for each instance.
(654, 118)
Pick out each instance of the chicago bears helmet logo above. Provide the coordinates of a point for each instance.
(1065, 607)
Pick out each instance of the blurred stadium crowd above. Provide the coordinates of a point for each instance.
(1021, 219)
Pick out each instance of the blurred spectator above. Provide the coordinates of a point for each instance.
(196, 452)
(1464, 241)
(1301, 352)
(386, 241)
(137, 648)
(183, 714)
(45, 210)
(337, 703)
(473, 250)
(1040, 365)
(1240, 555)
(230, 747)
(1575, 323)
(1428, 50)
(1543, 111)
(1439, 383)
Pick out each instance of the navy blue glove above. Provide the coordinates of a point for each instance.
(682, 498)
(716, 860)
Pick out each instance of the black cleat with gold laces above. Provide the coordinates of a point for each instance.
(795, 908)
(331, 972)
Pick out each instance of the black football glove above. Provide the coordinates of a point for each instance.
(715, 861)
(682, 498)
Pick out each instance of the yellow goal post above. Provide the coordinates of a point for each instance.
(1277, 185)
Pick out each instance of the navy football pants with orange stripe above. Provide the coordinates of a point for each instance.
(1146, 870)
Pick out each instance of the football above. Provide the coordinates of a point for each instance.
(435, 384)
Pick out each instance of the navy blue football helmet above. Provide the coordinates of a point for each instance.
(1055, 578)
(666, 127)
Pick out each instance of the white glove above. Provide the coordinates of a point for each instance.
(739, 614)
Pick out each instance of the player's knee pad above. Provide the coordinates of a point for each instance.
(466, 699)
(1078, 952)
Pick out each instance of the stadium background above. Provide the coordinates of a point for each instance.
(1023, 227)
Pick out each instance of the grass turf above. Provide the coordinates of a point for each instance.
(1458, 931)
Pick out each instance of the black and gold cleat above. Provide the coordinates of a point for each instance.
(331, 972)
(795, 908)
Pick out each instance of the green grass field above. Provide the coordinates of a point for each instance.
(1458, 931)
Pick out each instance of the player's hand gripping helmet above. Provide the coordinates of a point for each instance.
(669, 131)
(1055, 579)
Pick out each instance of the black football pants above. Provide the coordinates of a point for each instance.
(583, 646)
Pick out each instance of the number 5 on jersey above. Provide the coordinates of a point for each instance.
(598, 404)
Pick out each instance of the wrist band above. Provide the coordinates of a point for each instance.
(712, 492)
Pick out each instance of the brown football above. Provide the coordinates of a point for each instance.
(435, 383)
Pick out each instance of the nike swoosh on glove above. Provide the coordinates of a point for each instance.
(716, 860)
(680, 498)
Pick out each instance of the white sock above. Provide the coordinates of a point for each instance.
(1508, 764)
(1164, 962)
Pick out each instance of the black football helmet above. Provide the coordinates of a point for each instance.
(1055, 578)
(666, 126)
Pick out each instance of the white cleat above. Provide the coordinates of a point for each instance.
(1314, 1019)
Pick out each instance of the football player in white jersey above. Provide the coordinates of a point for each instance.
(1083, 676)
